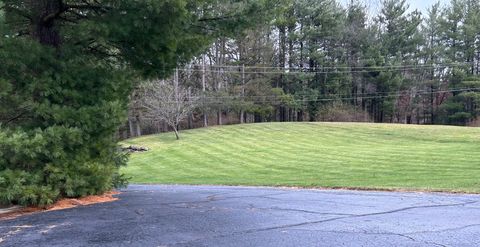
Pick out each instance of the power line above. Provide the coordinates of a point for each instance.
(342, 98)
(400, 92)
(287, 71)
(339, 67)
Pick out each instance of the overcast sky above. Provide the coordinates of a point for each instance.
(421, 5)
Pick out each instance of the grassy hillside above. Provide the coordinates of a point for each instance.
(376, 156)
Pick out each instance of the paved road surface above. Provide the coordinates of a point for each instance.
(241, 216)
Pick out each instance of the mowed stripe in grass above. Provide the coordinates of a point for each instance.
(350, 155)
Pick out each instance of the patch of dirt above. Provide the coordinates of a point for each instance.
(88, 200)
(62, 204)
(134, 149)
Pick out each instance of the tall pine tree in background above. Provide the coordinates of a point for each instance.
(461, 34)
(433, 54)
(322, 60)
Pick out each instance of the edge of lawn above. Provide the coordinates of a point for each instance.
(313, 187)
(324, 188)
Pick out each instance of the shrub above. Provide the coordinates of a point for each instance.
(58, 138)
(341, 112)
(39, 166)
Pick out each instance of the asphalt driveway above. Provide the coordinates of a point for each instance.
(242, 216)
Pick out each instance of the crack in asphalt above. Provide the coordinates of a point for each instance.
(323, 221)
(376, 233)
(415, 207)
(267, 196)
(252, 207)
(212, 198)
(446, 230)
(362, 232)
(215, 197)
(437, 244)
(136, 217)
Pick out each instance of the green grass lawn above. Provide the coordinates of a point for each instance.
(349, 155)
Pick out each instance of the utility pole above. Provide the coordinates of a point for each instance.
(242, 112)
(190, 115)
(205, 117)
(177, 103)
(175, 81)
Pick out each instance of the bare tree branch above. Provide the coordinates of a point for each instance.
(165, 102)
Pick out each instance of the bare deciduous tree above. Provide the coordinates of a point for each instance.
(163, 101)
(135, 113)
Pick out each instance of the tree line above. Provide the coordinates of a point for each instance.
(320, 60)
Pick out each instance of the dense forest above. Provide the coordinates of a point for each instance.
(320, 60)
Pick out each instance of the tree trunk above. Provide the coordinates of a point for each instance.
(44, 26)
(130, 126)
(242, 117)
(165, 127)
(432, 106)
(301, 116)
(205, 119)
(138, 129)
(219, 117)
(176, 133)
(291, 30)
(190, 121)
